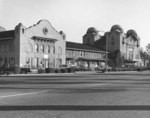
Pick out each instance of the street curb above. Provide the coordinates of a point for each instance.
(61, 74)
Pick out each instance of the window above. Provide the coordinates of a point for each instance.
(49, 51)
(53, 49)
(36, 48)
(42, 48)
(27, 60)
(45, 30)
(23, 31)
(46, 49)
(12, 60)
(130, 53)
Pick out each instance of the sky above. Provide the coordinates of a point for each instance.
(74, 17)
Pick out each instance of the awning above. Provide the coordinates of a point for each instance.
(7, 38)
(90, 59)
(130, 61)
(43, 38)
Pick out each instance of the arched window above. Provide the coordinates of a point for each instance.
(36, 48)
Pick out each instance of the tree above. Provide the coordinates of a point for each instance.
(145, 55)
(141, 52)
(148, 49)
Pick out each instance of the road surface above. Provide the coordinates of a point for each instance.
(86, 95)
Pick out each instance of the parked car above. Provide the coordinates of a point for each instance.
(63, 68)
(104, 68)
(7, 69)
(66, 69)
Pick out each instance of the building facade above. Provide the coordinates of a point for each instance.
(123, 48)
(78, 54)
(38, 46)
(41, 46)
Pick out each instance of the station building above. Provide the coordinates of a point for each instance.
(78, 54)
(123, 48)
(42, 46)
(38, 46)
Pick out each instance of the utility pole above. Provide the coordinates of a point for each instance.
(106, 69)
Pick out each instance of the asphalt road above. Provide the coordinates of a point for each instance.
(82, 95)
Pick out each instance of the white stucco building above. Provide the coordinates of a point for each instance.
(40, 45)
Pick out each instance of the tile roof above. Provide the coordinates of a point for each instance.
(7, 34)
(81, 46)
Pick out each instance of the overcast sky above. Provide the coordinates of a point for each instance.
(74, 17)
